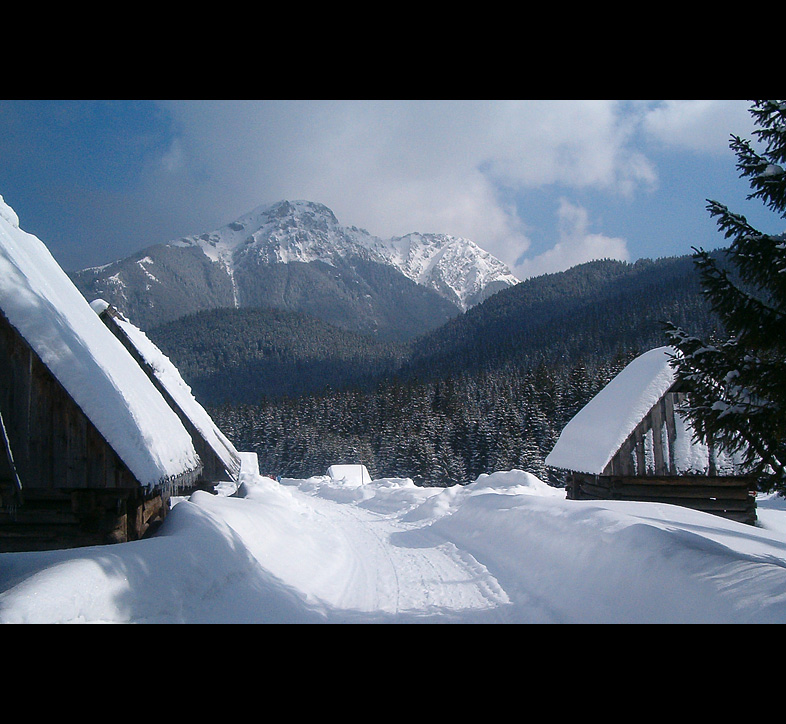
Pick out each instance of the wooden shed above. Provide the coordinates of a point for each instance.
(91, 451)
(631, 443)
(220, 460)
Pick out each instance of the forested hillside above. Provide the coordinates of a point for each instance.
(244, 355)
(589, 313)
(439, 432)
(490, 391)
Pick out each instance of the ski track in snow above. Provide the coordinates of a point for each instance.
(392, 570)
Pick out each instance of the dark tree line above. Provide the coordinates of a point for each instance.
(242, 355)
(439, 432)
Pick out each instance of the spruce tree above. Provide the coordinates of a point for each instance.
(737, 383)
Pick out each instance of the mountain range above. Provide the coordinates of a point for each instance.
(589, 315)
(295, 256)
(314, 344)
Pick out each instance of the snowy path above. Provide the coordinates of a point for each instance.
(389, 569)
(505, 549)
(349, 561)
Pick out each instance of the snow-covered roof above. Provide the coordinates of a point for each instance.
(592, 438)
(171, 380)
(42, 303)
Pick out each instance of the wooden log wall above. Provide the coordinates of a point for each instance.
(733, 498)
(67, 486)
(56, 520)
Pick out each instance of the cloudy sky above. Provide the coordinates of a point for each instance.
(542, 184)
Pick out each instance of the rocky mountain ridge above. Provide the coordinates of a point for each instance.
(296, 256)
(305, 231)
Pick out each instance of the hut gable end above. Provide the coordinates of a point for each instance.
(631, 443)
(85, 429)
(651, 449)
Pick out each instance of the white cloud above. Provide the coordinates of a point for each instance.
(576, 245)
(698, 125)
(576, 144)
(173, 160)
(394, 167)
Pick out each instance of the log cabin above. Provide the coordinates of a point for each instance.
(630, 442)
(91, 452)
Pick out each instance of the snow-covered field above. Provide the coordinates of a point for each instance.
(505, 549)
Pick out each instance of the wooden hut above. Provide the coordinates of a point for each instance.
(220, 460)
(91, 451)
(630, 443)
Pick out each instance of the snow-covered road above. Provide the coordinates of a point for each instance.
(358, 561)
(504, 549)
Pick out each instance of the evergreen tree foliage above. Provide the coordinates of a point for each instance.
(737, 382)
(241, 355)
(439, 432)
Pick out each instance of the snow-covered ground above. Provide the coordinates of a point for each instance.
(505, 549)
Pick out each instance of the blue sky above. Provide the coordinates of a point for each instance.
(542, 184)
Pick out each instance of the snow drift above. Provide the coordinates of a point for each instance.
(505, 549)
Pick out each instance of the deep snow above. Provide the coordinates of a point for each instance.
(505, 549)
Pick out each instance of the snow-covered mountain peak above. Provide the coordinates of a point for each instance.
(452, 265)
(282, 233)
(305, 231)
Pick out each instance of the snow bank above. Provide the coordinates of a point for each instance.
(351, 475)
(42, 303)
(505, 549)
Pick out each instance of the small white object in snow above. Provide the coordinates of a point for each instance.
(352, 475)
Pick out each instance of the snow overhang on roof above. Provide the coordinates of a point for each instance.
(170, 379)
(45, 307)
(592, 438)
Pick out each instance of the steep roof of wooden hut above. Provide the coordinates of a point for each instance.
(170, 379)
(592, 438)
(43, 305)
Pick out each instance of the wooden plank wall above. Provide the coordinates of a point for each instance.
(660, 425)
(56, 520)
(733, 498)
(75, 490)
(54, 444)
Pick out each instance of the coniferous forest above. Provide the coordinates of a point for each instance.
(491, 390)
